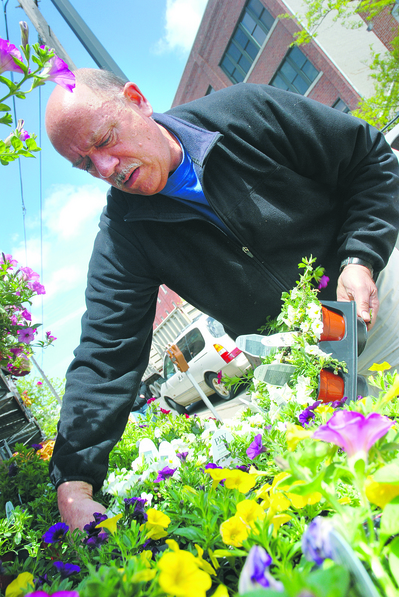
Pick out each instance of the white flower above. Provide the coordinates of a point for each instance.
(317, 328)
(280, 395)
(314, 349)
(303, 390)
(148, 497)
(313, 311)
(305, 326)
(256, 419)
(280, 426)
(157, 432)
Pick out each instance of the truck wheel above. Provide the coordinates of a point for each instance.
(219, 388)
(181, 410)
(154, 390)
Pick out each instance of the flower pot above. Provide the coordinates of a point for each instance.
(331, 386)
(333, 325)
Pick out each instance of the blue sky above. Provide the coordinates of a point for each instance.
(150, 41)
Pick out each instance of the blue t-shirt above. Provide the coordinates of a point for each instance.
(184, 186)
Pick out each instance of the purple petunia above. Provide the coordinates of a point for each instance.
(323, 282)
(255, 573)
(26, 335)
(7, 51)
(256, 447)
(164, 474)
(55, 533)
(182, 456)
(57, 70)
(307, 414)
(66, 570)
(139, 514)
(353, 432)
(316, 542)
(13, 469)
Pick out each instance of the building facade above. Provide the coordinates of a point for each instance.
(250, 41)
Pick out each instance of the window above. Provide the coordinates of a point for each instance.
(252, 29)
(341, 106)
(395, 10)
(210, 90)
(296, 72)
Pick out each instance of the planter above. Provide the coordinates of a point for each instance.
(333, 325)
(331, 386)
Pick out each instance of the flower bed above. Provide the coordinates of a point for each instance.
(299, 500)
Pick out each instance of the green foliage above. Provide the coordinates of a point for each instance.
(383, 105)
(42, 403)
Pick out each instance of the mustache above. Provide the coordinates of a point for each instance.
(124, 174)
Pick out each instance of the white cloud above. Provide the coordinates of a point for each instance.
(68, 209)
(182, 21)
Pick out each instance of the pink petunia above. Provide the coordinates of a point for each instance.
(26, 335)
(28, 274)
(57, 70)
(353, 432)
(7, 51)
(323, 282)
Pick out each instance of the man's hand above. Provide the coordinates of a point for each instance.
(76, 504)
(356, 284)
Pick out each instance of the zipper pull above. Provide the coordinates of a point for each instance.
(247, 251)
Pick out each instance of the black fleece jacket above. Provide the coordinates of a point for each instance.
(289, 177)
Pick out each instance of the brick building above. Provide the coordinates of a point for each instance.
(249, 41)
(167, 301)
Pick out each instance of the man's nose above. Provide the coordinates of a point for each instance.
(105, 164)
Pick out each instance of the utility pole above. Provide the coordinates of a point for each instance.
(44, 31)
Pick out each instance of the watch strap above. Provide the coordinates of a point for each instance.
(356, 261)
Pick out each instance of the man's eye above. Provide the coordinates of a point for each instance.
(105, 142)
(86, 167)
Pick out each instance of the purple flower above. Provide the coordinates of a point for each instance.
(139, 514)
(66, 570)
(37, 287)
(308, 415)
(55, 533)
(182, 456)
(36, 447)
(7, 257)
(7, 51)
(13, 469)
(255, 573)
(16, 351)
(339, 403)
(243, 468)
(26, 335)
(57, 70)
(324, 280)
(90, 527)
(353, 432)
(26, 315)
(165, 473)
(23, 25)
(316, 542)
(49, 337)
(256, 447)
(28, 274)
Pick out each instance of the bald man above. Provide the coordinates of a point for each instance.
(218, 199)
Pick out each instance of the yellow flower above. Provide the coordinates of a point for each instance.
(263, 492)
(278, 520)
(278, 503)
(380, 493)
(254, 471)
(19, 586)
(393, 391)
(173, 545)
(180, 575)
(294, 434)
(213, 559)
(380, 367)
(46, 452)
(221, 591)
(143, 575)
(324, 409)
(154, 531)
(236, 479)
(203, 564)
(345, 500)
(157, 517)
(300, 501)
(217, 474)
(250, 511)
(145, 557)
(110, 523)
(234, 531)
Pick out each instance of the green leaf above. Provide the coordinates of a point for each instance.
(393, 558)
(390, 518)
(4, 108)
(388, 473)
(333, 582)
(9, 83)
(6, 119)
(20, 95)
(190, 533)
(16, 143)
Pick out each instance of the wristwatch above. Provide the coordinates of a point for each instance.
(356, 261)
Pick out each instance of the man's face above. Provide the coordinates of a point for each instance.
(115, 140)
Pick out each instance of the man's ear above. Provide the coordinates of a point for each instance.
(132, 93)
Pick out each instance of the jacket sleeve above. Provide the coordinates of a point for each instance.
(103, 378)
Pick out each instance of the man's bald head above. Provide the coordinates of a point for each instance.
(105, 127)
